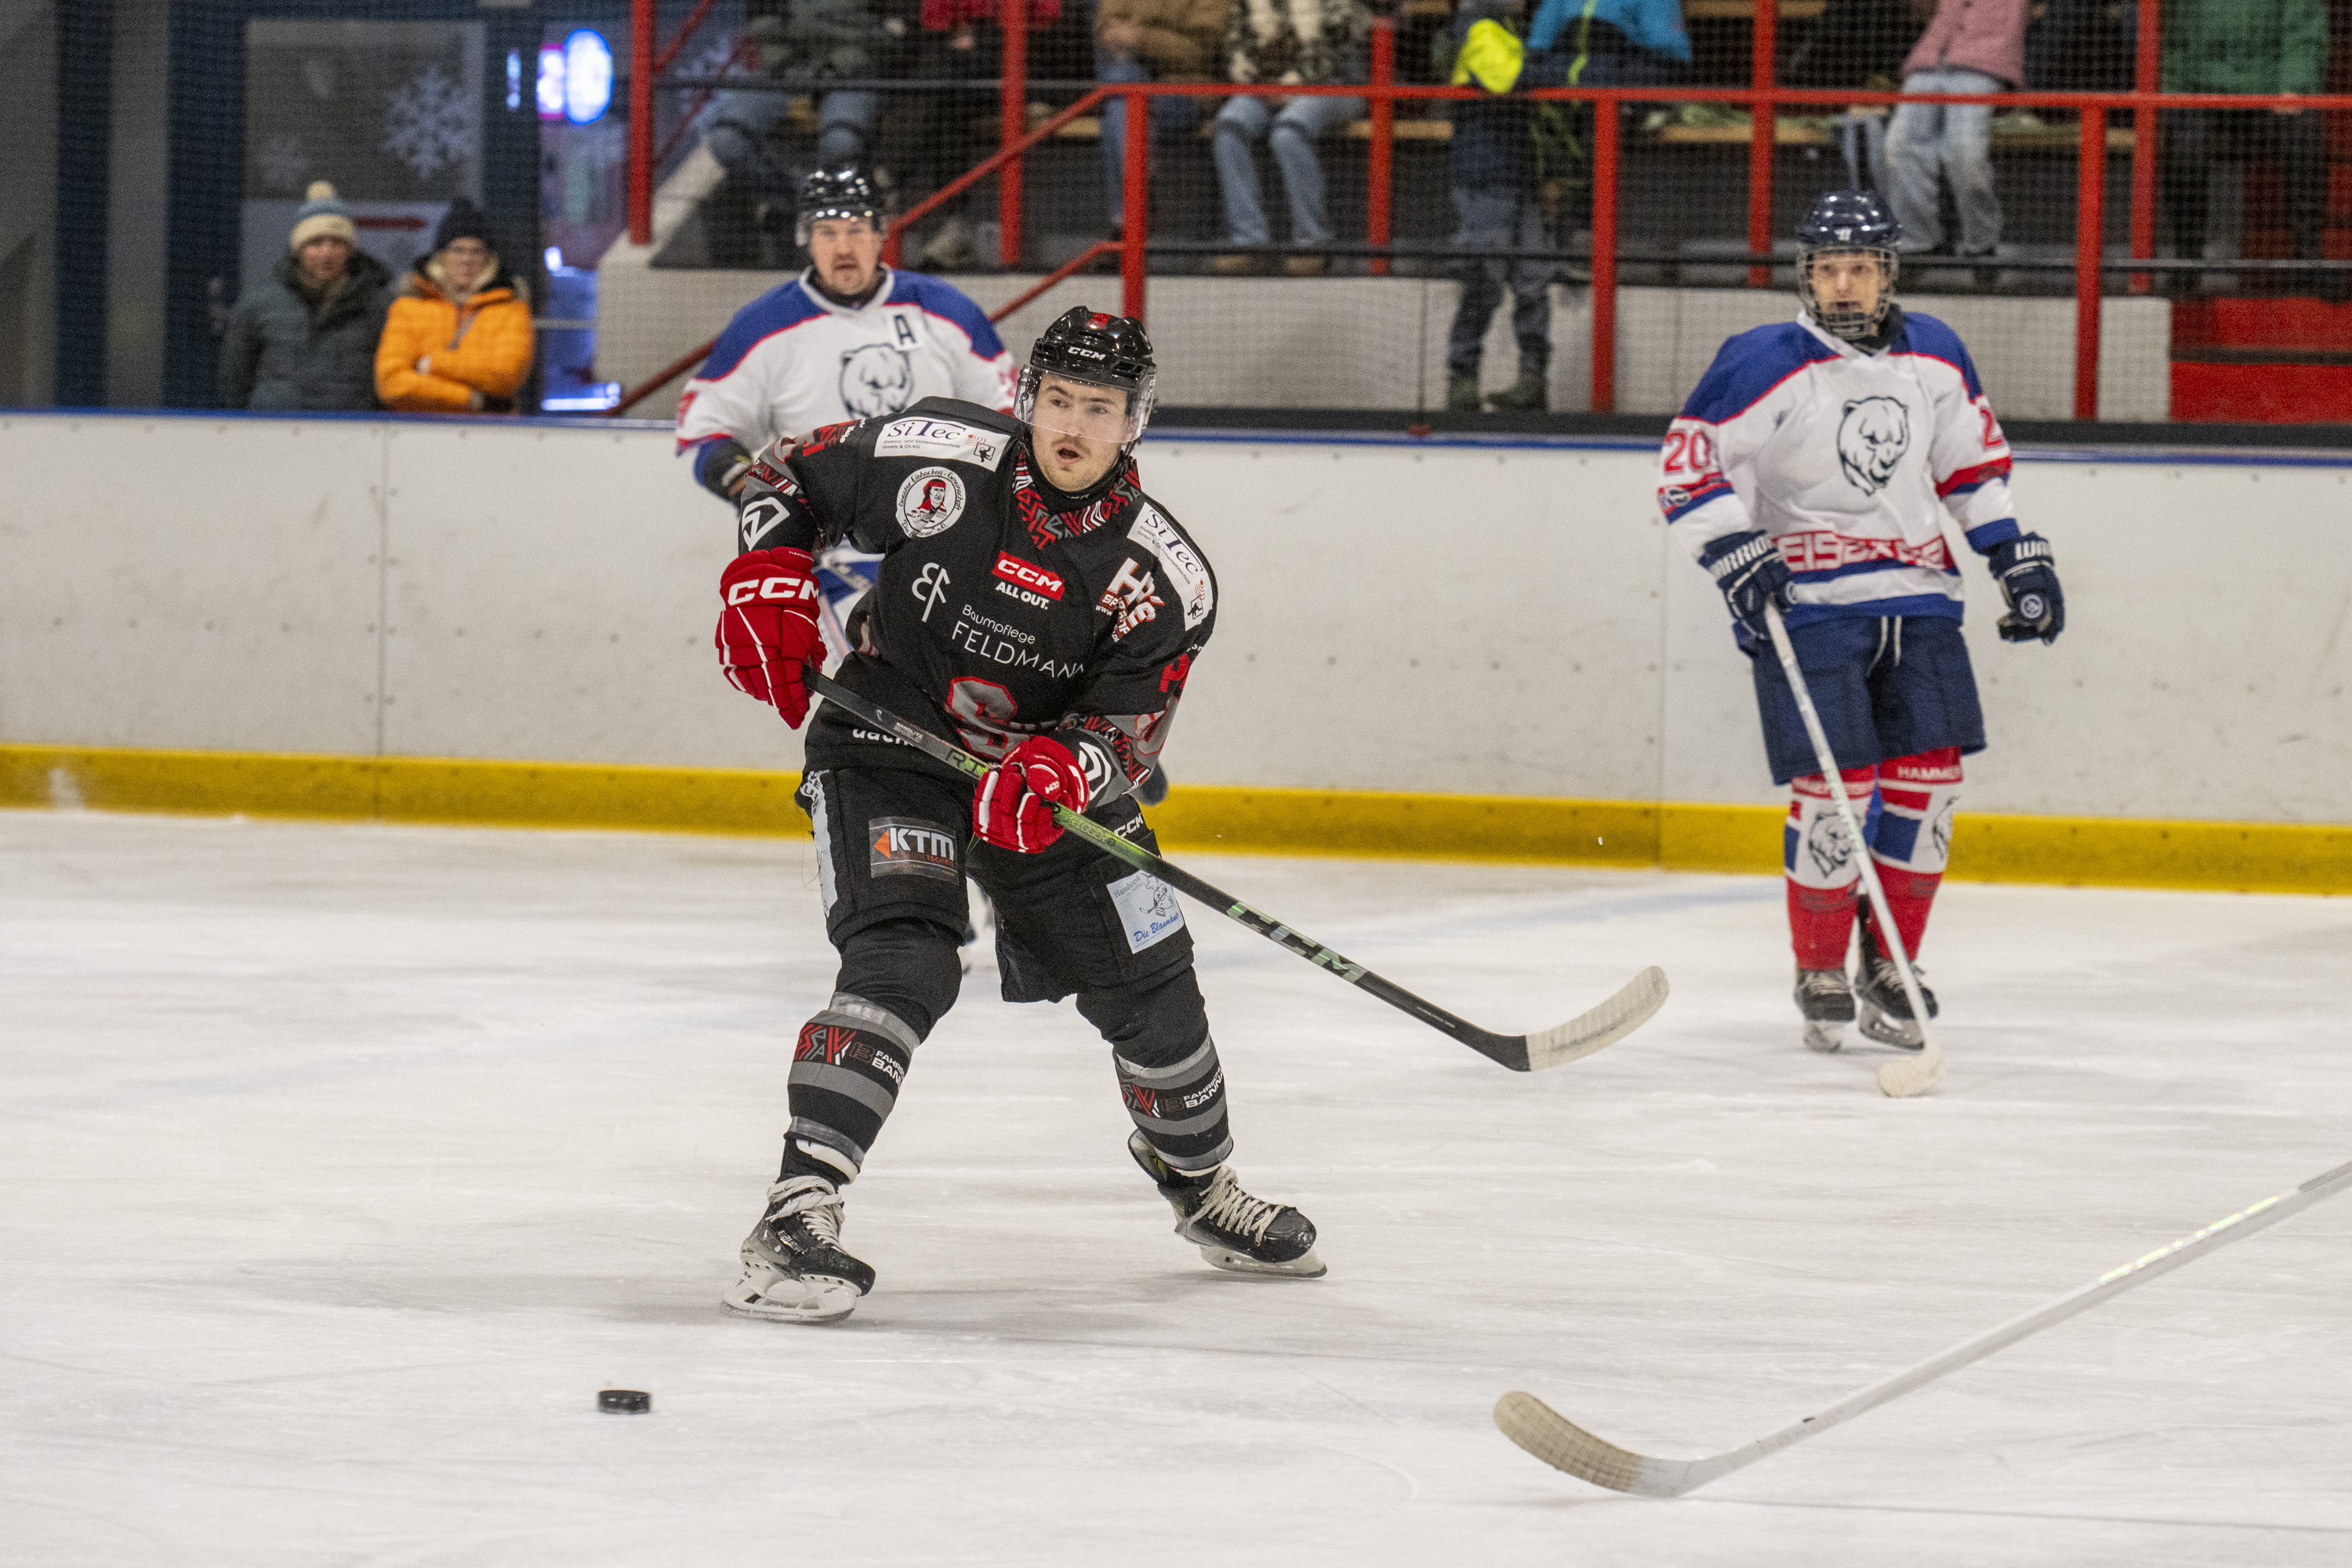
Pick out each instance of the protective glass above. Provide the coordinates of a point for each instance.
(1847, 321)
(1073, 406)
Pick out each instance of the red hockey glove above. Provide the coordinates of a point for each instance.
(1013, 807)
(767, 628)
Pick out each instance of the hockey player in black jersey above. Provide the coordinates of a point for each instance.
(1037, 608)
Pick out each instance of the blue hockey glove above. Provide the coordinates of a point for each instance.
(1747, 567)
(2025, 569)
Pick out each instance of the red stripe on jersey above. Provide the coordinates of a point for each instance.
(1969, 479)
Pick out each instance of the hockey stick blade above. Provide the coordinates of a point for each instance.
(1587, 1032)
(1564, 1446)
(1597, 1026)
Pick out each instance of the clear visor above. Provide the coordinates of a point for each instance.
(1072, 406)
(1854, 316)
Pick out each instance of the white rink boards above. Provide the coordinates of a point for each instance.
(1453, 617)
(345, 1164)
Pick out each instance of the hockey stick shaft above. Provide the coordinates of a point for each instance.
(1559, 1442)
(1623, 1012)
(1922, 1074)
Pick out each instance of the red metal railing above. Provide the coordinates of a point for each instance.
(1762, 99)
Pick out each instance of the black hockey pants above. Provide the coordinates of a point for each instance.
(894, 846)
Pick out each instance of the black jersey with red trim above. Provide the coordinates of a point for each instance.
(1016, 608)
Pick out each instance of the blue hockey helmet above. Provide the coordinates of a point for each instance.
(1847, 222)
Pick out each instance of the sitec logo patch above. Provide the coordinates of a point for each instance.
(1026, 580)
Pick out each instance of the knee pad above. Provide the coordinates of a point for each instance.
(1815, 849)
(908, 967)
(1918, 796)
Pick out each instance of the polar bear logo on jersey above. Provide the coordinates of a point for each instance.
(1872, 439)
(876, 379)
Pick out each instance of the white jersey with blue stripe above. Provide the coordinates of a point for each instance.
(1849, 458)
(792, 361)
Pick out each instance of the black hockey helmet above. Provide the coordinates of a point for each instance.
(1099, 349)
(1847, 222)
(845, 192)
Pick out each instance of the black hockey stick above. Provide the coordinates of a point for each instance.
(1582, 1035)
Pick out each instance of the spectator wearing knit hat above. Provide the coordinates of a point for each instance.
(305, 342)
(459, 337)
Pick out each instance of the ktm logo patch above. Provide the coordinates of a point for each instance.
(902, 847)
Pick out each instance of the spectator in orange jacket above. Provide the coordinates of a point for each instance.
(459, 339)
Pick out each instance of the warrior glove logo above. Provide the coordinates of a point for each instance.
(876, 379)
(902, 847)
(1872, 439)
(929, 501)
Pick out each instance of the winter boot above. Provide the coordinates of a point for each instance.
(1525, 396)
(1461, 393)
(794, 1270)
(1825, 997)
(1234, 1231)
(1885, 1010)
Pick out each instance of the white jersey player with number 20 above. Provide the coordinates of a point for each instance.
(1813, 468)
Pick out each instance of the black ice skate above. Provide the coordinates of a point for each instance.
(794, 1270)
(1886, 1011)
(1234, 1231)
(1825, 997)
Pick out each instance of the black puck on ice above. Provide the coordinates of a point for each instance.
(623, 1401)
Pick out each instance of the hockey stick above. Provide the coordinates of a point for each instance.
(1582, 1035)
(1922, 1072)
(1562, 1444)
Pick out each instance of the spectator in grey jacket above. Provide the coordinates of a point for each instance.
(306, 341)
(1973, 46)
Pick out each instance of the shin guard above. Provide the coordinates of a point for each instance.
(1912, 842)
(1168, 1074)
(1817, 855)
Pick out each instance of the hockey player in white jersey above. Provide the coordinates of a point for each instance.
(1814, 468)
(846, 339)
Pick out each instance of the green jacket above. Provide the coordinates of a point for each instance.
(287, 352)
(2244, 46)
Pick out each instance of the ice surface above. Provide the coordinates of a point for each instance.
(341, 1167)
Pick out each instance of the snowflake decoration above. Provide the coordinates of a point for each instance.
(284, 163)
(428, 123)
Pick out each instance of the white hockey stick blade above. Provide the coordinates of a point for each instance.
(1600, 1026)
(1913, 1075)
(1563, 1445)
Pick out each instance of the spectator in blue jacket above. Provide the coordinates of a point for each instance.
(1612, 43)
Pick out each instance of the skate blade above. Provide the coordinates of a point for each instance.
(1306, 1266)
(1824, 1034)
(776, 1298)
(1900, 1033)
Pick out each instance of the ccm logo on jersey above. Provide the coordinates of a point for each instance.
(1026, 581)
(960, 443)
(1130, 600)
(903, 848)
(743, 592)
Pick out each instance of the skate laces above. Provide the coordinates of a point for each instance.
(1230, 1208)
(812, 1201)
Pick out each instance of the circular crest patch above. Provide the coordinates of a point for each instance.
(930, 502)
